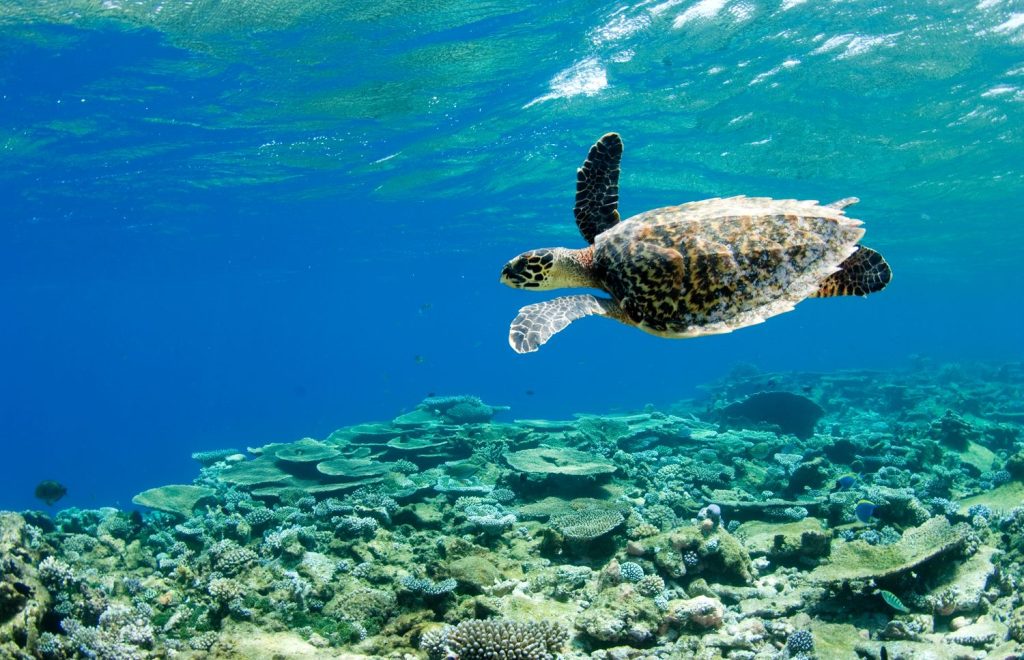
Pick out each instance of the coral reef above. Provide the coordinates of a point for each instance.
(694, 531)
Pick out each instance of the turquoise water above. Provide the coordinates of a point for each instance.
(226, 224)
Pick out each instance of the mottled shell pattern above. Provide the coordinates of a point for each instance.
(716, 265)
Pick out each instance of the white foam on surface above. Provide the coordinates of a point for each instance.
(705, 9)
(663, 7)
(853, 45)
(587, 77)
(999, 90)
(1012, 23)
(619, 27)
(742, 11)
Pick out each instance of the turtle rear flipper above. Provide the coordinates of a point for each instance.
(536, 323)
(865, 271)
(597, 188)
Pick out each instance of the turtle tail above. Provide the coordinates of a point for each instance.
(865, 271)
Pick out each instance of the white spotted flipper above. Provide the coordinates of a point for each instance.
(535, 324)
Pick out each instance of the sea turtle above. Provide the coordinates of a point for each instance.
(701, 268)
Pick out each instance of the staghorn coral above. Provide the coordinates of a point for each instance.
(225, 590)
(650, 585)
(230, 558)
(427, 587)
(484, 639)
(435, 642)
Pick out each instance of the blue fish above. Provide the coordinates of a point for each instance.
(845, 482)
(864, 510)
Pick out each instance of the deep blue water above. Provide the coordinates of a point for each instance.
(225, 226)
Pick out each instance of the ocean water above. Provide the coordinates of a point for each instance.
(227, 224)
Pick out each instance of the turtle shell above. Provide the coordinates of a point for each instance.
(717, 265)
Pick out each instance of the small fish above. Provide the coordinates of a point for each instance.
(893, 601)
(864, 510)
(845, 482)
(419, 359)
(50, 491)
(883, 654)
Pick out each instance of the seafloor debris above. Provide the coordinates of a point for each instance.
(678, 533)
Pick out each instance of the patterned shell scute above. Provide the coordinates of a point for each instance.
(720, 264)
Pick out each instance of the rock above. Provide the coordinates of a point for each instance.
(252, 642)
(791, 413)
(837, 640)
(745, 635)
(964, 590)
(856, 560)
(786, 542)
(474, 573)
(910, 650)
(1015, 465)
(775, 607)
(761, 509)
(23, 599)
(700, 613)
(908, 627)
(621, 615)
(319, 568)
(979, 457)
(1003, 498)
(421, 515)
(979, 634)
(728, 563)
(808, 475)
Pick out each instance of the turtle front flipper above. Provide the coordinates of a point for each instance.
(536, 323)
(597, 188)
(865, 271)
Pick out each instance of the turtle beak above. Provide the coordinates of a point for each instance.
(515, 274)
(506, 275)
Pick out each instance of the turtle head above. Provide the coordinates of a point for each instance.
(548, 268)
(530, 270)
